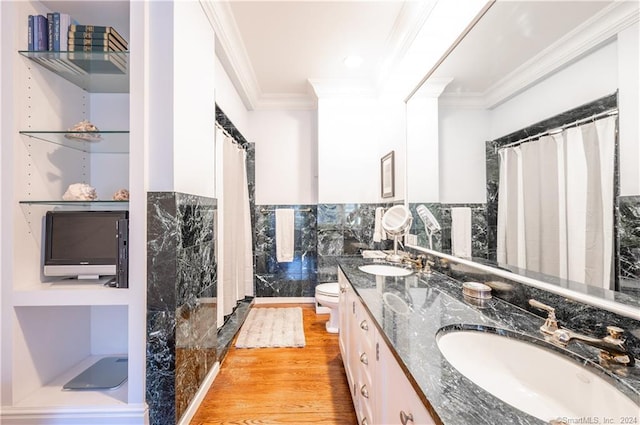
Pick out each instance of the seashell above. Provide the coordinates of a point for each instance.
(84, 126)
(121, 195)
(80, 192)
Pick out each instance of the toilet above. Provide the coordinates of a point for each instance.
(327, 296)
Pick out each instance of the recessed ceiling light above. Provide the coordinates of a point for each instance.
(352, 61)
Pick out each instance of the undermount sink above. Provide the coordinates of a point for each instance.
(536, 380)
(385, 270)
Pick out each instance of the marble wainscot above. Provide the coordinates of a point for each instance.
(437, 301)
(181, 301)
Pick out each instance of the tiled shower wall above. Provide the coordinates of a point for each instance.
(181, 307)
(629, 244)
(442, 239)
(323, 233)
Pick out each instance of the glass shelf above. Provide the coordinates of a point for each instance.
(86, 141)
(95, 72)
(107, 203)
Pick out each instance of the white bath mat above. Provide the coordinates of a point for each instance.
(272, 327)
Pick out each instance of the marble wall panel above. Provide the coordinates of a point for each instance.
(285, 279)
(629, 244)
(181, 304)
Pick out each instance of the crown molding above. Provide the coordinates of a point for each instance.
(406, 28)
(328, 88)
(597, 30)
(466, 101)
(232, 52)
(286, 101)
(433, 87)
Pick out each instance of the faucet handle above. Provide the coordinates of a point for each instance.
(551, 323)
(616, 350)
(615, 333)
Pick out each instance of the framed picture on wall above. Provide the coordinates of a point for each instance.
(387, 174)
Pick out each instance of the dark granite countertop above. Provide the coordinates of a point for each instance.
(436, 301)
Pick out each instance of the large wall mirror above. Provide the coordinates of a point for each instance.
(528, 127)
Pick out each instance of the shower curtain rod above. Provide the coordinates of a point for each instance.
(264, 210)
(226, 133)
(555, 130)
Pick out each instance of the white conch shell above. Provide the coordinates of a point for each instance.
(121, 195)
(80, 192)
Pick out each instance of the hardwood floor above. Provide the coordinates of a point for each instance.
(282, 385)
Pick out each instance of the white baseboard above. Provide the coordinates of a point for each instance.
(134, 414)
(202, 392)
(285, 300)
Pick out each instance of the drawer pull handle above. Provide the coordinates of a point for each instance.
(364, 325)
(364, 359)
(364, 421)
(364, 391)
(404, 418)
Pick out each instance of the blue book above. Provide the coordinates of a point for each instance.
(50, 31)
(30, 34)
(56, 31)
(40, 41)
(36, 36)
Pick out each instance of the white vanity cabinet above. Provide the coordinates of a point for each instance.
(357, 346)
(381, 392)
(401, 402)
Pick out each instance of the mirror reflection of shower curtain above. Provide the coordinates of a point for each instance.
(235, 256)
(556, 201)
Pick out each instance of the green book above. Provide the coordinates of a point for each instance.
(91, 31)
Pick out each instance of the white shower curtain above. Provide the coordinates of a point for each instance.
(555, 204)
(235, 256)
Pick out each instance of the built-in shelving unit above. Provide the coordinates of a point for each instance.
(56, 329)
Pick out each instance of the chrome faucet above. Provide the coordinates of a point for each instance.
(612, 347)
(420, 263)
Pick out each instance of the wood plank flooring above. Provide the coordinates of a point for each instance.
(282, 385)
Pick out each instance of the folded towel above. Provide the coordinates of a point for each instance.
(373, 254)
(378, 233)
(285, 228)
(461, 232)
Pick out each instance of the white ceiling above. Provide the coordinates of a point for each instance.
(272, 48)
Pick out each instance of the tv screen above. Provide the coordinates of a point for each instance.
(81, 244)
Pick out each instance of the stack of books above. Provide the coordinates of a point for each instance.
(94, 39)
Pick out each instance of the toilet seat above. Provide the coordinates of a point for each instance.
(331, 289)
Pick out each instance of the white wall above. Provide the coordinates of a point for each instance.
(181, 46)
(423, 163)
(229, 101)
(194, 104)
(463, 133)
(353, 134)
(629, 105)
(286, 156)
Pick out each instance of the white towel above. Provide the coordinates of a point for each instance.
(461, 232)
(373, 254)
(378, 233)
(285, 229)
